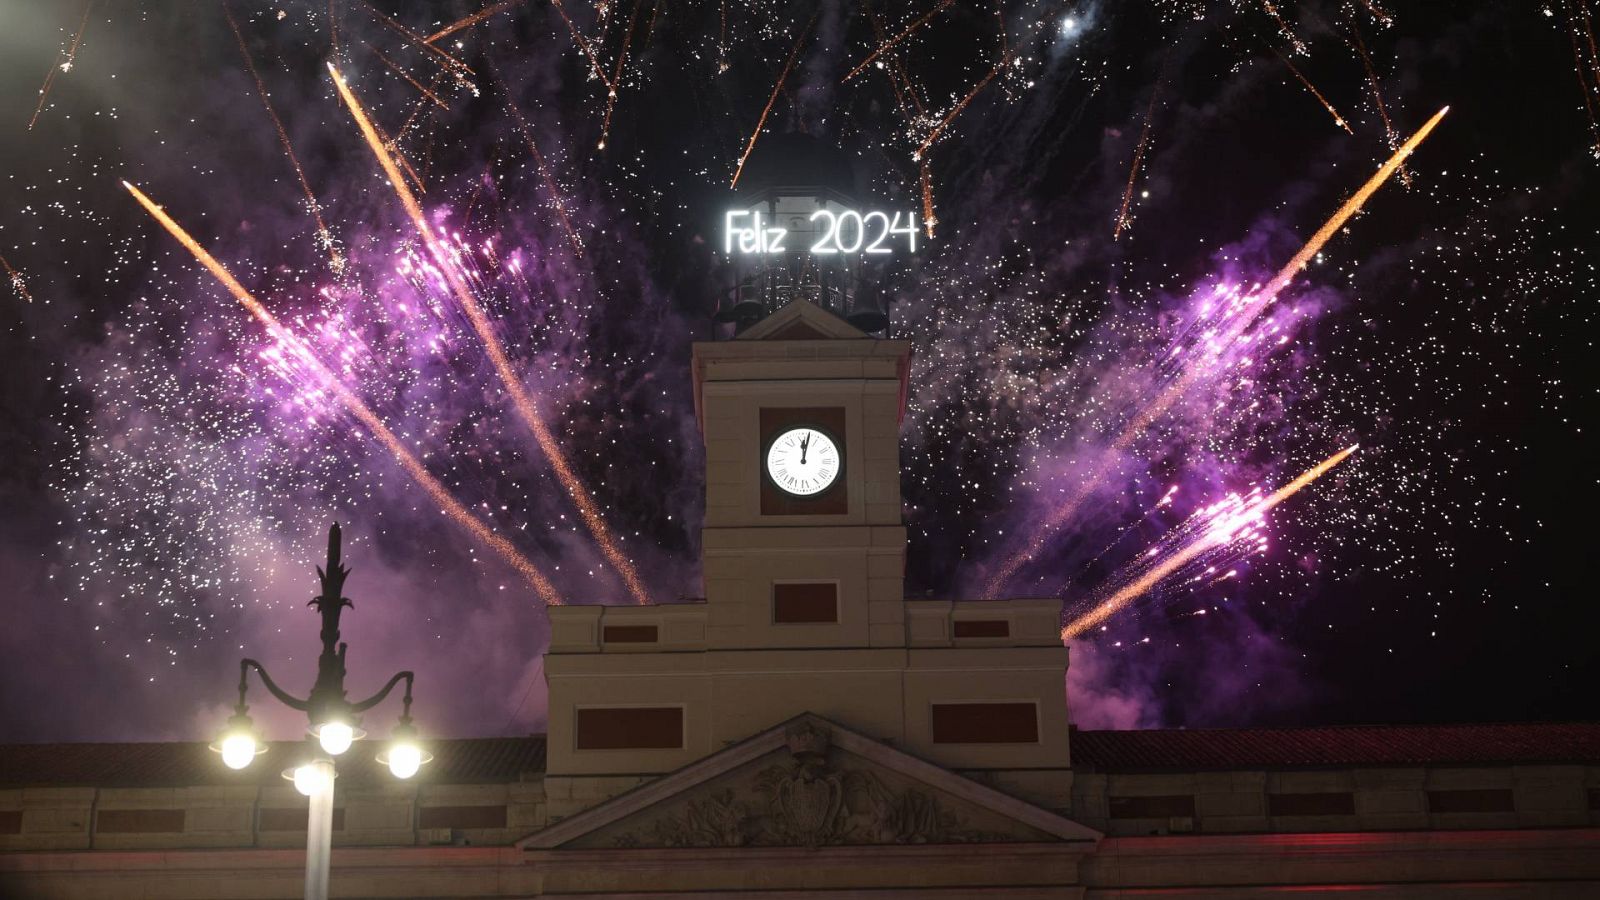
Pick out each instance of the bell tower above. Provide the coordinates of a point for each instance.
(802, 551)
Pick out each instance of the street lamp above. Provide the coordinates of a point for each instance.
(334, 724)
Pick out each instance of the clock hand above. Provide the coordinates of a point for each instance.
(803, 442)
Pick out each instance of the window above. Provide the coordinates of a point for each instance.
(981, 628)
(629, 634)
(1471, 801)
(462, 817)
(1178, 806)
(629, 728)
(985, 723)
(805, 602)
(139, 821)
(292, 819)
(1320, 804)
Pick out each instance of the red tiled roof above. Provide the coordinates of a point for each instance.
(1364, 745)
(457, 761)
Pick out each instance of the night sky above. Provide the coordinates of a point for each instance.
(1112, 183)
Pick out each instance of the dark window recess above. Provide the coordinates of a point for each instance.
(10, 821)
(1594, 798)
(1320, 804)
(985, 723)
(630, 728)
(1471, 801)
(462, 817)
(1177, 806)
(292, 819)
(813, 602)
(630, 634)
(138, 821)
(981, 628)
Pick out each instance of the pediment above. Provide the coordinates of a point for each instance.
(802, 320)
(808, 783)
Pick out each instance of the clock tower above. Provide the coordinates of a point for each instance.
(804, 609)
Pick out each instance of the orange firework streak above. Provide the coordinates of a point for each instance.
(1262, 299)
(16, 280)
(356, 406)
(616, 77)
(920, 21)
(395, 68)
(1337, 119)
(473, 19)
(556, 198)
(767, 110)
(1377, 95)
(1136, 588)
(1138, 159)
(956, 111)
(480, 323)
(61, 63)
(416, 39)
(323, 234)
(577, 37)
(1283, 26)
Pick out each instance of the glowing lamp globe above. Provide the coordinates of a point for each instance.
(239, 743)
(313, 777)
(238, 750)
(336, 737)
(404, 756)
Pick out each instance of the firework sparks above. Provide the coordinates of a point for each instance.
(62, 63)
(767, 110)
(395, 68)
(523, 402)
(324, 236)
(616, 77)
(417, 40)
(1245, 312)
(920, 21)
(1588, 81)
(1377, 95)
(292, 345)
(1337, 119)
(1222, 526)
(15, 277)
(1283, 27)
(1138, 159)
(577, 37)
(1005, 59)
(487, 12)
(557, 199)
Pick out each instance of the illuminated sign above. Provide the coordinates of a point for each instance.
(823, 232)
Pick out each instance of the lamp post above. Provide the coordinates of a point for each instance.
(334, 723)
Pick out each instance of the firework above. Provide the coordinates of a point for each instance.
(1138, 158)
(1283, 27)
(1222, 526)
(920, 21)
(1245, 311)
(577, 37)
(417, 40)
(489, 11)
(395, 68)
(1377, 96)
(324, 236)
(1337, 119)
(15, 278)
(1005, 59)
(616, 77)
(62, 63)
(292, 345)
(523, 402)
(767, 110)
(557, 199)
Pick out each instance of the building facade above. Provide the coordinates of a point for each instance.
(804, 731)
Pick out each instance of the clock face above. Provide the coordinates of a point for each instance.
(803, 461)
